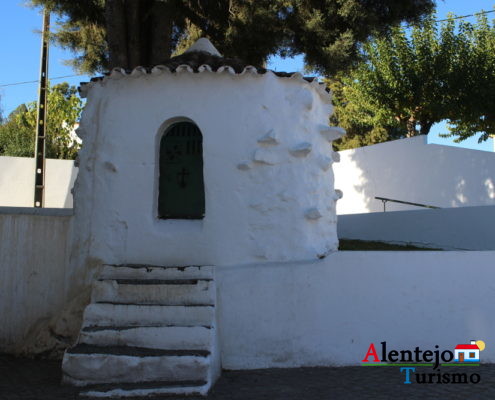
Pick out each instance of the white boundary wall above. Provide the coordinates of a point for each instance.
(328, 312)
(35, 281)
(412, 170)
(307, 313)
(466, 228)
(17, 182)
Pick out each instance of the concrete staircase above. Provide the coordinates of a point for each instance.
(148, 331)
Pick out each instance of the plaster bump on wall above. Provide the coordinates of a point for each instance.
(325, 162)
(301, 150)
(261, 208)
(244, 166)
(331, 133)
(297, 76)
(313, 214)
(84, 89)
(226, 68)
(183, 68)
(265, 156)
(284, 196)
(109, 166)
(159, 69)
(138, 71)
(117, 73)
(269, 138)
(338, 194)
(250, 70)
(336, 156)
(204, 68)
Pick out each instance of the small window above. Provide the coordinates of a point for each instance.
(181, 192)
(472, 355)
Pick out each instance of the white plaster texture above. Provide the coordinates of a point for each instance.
(255, 210)
(327, 312)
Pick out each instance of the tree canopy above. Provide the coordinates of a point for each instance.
(128, 33)
(414, 78)
(17, 132)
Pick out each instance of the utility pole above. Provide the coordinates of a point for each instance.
(39, 181)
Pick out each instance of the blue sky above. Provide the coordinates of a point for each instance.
(20, 47)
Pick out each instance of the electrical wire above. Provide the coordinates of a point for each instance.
(465, 16)
(36, 81)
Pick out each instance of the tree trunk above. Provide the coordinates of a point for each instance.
(411, 127)
(425, 127)
(135, 26)
(138, 32)
(161, 33)
(116, 33)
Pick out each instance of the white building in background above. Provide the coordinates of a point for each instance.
(413, 171)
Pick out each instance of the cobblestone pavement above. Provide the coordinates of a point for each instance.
(22, 379)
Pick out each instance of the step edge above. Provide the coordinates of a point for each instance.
(148, 393)
(152, 304)
(101, 328)
(138, 266)
(127, 351)
(154, 281)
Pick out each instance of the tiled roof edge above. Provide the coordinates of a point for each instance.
(119, 73)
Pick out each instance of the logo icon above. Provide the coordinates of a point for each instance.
(464, 353)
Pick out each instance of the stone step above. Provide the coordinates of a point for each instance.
(162, 292)
(146, 389)
(108, 314)
(163, 337)
(155, 272)
(85, 365)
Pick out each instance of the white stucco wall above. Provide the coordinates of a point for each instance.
(412, 170)
(267, 169)
(328, 312)
(461, 228)
(36, 283)
(17, 182)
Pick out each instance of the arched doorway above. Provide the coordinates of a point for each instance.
(181, 185)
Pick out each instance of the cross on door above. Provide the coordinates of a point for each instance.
(182, 177)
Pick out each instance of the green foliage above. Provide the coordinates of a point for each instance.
(361, 130)
(127, 33)
(411, 80)
(17, 132)
(474, 83)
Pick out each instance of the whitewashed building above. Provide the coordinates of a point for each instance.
(201, 162)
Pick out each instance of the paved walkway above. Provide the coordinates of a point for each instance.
(22, 379)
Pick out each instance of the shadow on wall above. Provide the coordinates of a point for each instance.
(412, 170)
(69, 198)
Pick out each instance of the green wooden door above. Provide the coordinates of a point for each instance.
(181, 186)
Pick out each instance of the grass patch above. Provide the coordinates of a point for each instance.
(360, 245)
